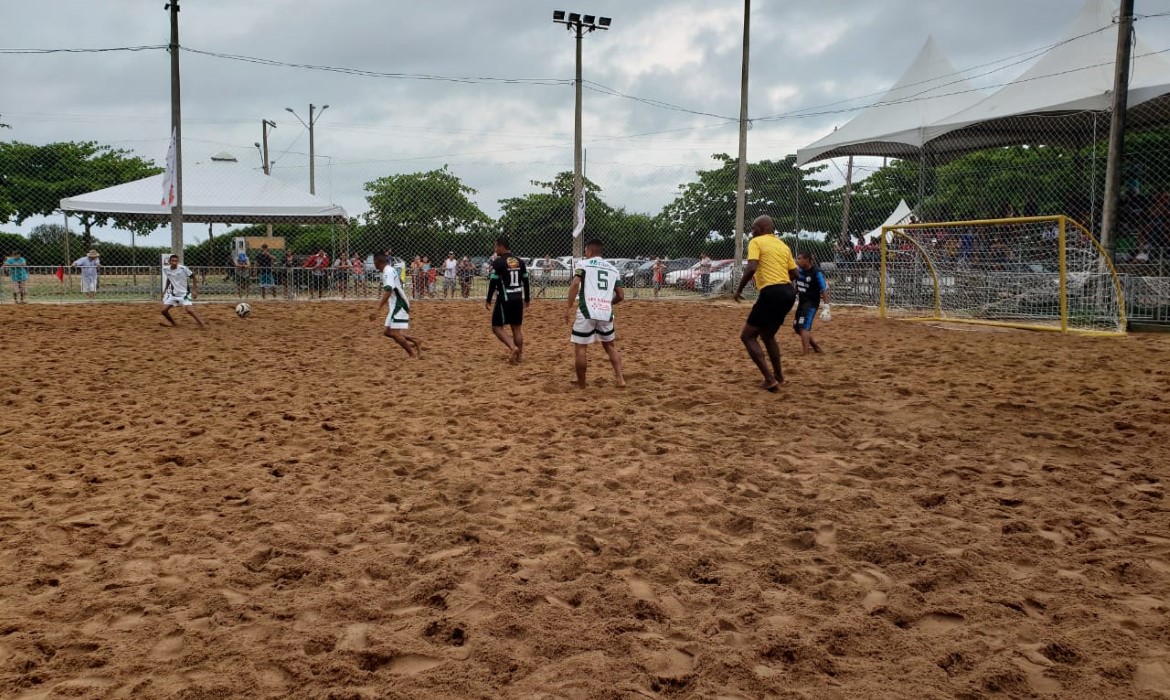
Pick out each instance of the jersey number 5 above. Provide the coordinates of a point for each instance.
(602, 280)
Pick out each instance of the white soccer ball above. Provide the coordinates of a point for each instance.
(242, 310)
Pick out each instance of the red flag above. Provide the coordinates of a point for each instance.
(60, 273)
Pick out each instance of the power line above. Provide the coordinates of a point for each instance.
(81, 50)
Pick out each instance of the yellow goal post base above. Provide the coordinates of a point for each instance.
(1063, 224)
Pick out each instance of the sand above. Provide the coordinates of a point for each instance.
(285, 506)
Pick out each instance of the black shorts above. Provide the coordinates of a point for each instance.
(772, 305)
(508, 313)
(806, 313)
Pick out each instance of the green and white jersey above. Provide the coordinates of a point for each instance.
(599, 282)
(392, 282)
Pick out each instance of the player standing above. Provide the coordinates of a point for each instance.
(509, 277)
(180, 289)
(596, 288)
(811, 290)
(771, 265)
(394, 296)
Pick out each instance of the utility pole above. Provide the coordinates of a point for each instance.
(312, 142)
(1116, 157)
(177, 130)
(580, 25)
(741, 185)
(845, 238)
(265, 125)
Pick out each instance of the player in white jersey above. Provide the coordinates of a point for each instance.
(394, 296)
(595, 290)
(180, 289)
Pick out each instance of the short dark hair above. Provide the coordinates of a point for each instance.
(804, 254)
(503, 242)
(173, 255)
(380, 256)
(594, 243)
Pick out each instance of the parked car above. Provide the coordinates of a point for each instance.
(642, 275)
(558, 272)
(372, 273)
(689, 278)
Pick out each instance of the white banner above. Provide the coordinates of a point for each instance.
(580, 215)
(168, 182)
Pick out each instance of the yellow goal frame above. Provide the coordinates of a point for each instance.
(1063, 224)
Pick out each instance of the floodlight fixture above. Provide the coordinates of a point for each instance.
(604, 22)
(574, 17)
(588, 19)
(558, 15)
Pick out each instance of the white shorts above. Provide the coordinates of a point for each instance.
(398, 319)
(172, 300)
(88, 286)
(587, 331)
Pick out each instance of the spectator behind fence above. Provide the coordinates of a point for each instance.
(359, 275)
(289, 273)
(341, 275)
(418, 280)
(657, 275)
(264, 263)
(89, 265)
(545, 275)
(243, 270)
(705, 273)
(450, 267)
(16, 267)
(466, 273)
(318, 266)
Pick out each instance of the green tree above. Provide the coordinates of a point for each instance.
(541, 222)
(34, 180)
(422, 212)
(704, 211)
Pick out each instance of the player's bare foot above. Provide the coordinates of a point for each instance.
(514, 356)
(772, 386)
(621, 384)
(417, 348)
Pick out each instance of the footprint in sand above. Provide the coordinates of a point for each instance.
(641, 589)
(670, 666)
(169, 647)
(938, 623)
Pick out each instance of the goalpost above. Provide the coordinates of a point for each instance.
(1039, 273)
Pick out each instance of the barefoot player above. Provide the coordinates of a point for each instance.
(771, 265)
(393, 295)
(180, 289)
(596, 288)
(811, 290)
(509, 277)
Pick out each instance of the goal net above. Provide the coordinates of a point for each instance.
(1043, 273)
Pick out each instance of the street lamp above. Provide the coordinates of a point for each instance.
(312, 142)
(579, 25)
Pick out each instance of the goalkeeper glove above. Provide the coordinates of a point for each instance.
(826, 314)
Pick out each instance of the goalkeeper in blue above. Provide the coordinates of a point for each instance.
(596, 288)
(812, 290)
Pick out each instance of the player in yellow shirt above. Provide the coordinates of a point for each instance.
(771, 265)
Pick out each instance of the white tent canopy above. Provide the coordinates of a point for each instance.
(894, 126)
(1054, 100)
(216, 192)
(900, 215)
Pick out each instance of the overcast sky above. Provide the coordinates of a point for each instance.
(497, 137)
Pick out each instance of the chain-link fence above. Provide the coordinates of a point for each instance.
(669, 228)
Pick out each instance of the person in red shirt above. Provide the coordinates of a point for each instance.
(318, 266)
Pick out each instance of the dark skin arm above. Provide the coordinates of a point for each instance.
(749, 271)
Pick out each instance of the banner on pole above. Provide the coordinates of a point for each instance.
(580, 227)
(168, 182)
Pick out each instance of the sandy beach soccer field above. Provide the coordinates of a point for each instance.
(285, 506)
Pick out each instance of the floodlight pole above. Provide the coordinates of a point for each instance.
(1115, 160)
(177, 130)
(578, 178)
(312, 141)
(741, 183)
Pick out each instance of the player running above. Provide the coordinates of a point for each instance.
(596, 288)
(180, 289)
(771, 265)
(811, 290)
(509, 277)
(398, 320)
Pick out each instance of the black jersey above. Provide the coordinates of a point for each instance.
(510, 278)
(810, 285)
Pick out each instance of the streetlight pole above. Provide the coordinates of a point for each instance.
(741, 184)
(580, 25)
(312, 141)
(265, 125)
(177, 132)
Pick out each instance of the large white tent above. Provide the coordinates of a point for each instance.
(220, 192)
(895, 125)
(1056, 100)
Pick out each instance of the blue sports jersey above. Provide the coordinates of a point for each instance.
(810, 284)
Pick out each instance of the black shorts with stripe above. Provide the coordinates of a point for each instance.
(771, 307)
(508, 313)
